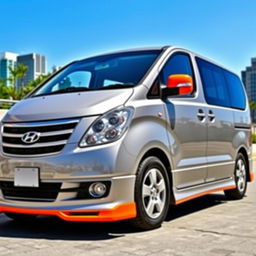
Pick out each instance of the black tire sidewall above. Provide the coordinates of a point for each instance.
(240, 156)
(147, 164)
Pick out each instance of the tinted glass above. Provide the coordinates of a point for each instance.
(104, 72)
(236, 91)
(214, 83)
(177, 64)
(75, 79)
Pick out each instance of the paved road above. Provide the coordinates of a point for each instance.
(208, 226)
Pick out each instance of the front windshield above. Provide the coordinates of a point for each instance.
(113, 71)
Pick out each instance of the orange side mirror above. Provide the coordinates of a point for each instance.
(184, 83)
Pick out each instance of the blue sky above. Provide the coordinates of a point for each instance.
(64, 30)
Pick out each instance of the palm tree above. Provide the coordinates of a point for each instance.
(16, 72)
(3, 91)
(33, 84)
(13, 93)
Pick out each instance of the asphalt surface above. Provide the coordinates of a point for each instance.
(210, 225)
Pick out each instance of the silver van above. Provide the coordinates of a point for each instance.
(124, 135)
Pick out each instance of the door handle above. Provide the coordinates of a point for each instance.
(211, 116)
(201, 115)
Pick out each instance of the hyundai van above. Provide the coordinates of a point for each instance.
(123, 136)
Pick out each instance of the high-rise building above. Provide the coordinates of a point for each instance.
(7, 59)
(249, 80)
(36, 66)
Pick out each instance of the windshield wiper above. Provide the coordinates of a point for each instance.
(65, 90)
(116, 86)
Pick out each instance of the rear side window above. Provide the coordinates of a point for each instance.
(214, 83)
(221, 87)
(236, 90)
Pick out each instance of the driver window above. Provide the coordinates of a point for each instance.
(177, 64)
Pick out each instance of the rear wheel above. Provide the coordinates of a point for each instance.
(240, 176)
(152, 194)
(20, 217)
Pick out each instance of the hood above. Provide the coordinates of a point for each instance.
(68, 105)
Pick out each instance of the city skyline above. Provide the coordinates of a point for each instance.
(35, 63)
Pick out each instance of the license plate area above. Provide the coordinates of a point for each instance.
(26, 177)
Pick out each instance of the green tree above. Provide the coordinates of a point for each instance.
(33, 84)
(253, 108)
(14, 93)
(16, 72)
(3, 90)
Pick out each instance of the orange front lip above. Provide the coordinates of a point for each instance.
(120, 212)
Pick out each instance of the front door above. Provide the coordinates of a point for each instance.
(187, 127)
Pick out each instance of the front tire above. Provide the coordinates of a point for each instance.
(240, 176)
(152, 194)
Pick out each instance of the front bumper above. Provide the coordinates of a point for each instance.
(71, 167)
(117, 205)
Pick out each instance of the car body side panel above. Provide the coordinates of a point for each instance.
(147, 130)
(221, 153)
(189, 153)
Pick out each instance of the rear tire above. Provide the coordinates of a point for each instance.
(152, 194)
(240, 176)
(21, 218)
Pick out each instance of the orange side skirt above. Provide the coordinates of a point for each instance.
(203, 194)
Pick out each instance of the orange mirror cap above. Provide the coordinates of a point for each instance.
(181, 81)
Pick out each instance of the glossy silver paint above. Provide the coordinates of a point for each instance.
(200, 141)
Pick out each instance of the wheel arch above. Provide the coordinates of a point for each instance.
(161, 155)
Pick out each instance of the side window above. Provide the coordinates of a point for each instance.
(177, 64)
(237, 96)
(214, 83)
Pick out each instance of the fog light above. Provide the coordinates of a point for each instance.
(97, 189)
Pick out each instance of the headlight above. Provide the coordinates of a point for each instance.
(110, 127)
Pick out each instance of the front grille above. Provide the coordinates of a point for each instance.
(53, 136)
(45, 192)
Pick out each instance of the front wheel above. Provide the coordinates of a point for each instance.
(152, 194)
(240, 176)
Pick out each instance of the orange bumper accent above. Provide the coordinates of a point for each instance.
(203, 194)
(120, 212)
(251, 176)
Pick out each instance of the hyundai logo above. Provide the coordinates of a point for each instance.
(30, 137)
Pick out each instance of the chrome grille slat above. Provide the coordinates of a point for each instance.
(38, 124)
(54, 135)
(36, 145)
(42, 134)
